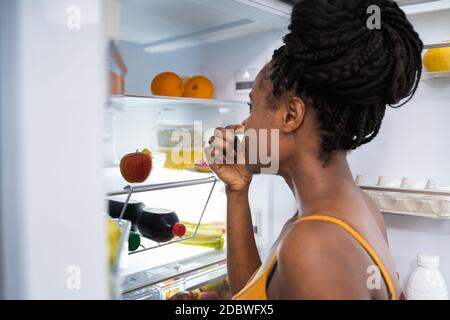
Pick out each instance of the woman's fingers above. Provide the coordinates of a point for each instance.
(225, 134)
(224, 145)
(229, 133)
(237, 128)
(215, 158)
(210, 153)
(225, 149)
(221, 152)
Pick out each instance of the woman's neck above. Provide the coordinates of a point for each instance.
(311, 181)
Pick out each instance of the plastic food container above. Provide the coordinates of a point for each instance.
(181, 158)
(158, 160)
(181, 144)
(181, 136)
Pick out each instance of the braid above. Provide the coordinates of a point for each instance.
(347, 72)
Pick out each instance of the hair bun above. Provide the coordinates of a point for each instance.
(349, 71)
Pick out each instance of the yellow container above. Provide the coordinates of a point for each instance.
(181, 158)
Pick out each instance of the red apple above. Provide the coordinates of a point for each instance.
(135, 167)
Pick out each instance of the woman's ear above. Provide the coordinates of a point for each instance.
(294, 114)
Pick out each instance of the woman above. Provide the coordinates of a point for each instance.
(325, 91)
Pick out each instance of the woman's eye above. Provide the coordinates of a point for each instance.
(250, 106)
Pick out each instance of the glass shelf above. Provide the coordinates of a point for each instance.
(411, 7)
(434, 75)
(172, 103)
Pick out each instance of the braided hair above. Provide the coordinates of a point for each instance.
(348, 72)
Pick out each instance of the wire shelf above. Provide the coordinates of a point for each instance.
(129, 190)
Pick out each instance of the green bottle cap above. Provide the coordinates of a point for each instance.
(134, 241)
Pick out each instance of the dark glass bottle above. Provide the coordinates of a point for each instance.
(160, 225)
(132, 212)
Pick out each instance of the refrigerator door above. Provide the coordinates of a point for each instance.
(53, 91)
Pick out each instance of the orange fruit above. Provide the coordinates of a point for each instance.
(117, 84)
(199, 87)
(437, 59)
(167, 84)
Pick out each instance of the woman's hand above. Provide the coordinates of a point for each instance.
(226, 158)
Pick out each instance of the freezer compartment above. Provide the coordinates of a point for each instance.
(167, 25)
(199, 273)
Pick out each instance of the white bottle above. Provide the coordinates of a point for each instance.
(426, 282)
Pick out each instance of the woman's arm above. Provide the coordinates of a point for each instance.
(242, 254)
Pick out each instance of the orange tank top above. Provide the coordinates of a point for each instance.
(255, 288)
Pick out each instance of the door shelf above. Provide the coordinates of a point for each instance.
(415, 214)
(408, 201)
(160, 103)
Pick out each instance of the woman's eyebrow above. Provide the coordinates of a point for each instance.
(250, 96)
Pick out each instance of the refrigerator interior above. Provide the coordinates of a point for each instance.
(151, 43)
(218, 41)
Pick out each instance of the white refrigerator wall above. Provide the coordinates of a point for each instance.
(411, 142)
(218, 61)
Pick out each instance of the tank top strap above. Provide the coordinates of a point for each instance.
(355, 234)
(263, 273)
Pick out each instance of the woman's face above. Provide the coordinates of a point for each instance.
(263, 141)
(278, 128)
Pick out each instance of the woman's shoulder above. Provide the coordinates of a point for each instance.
(317, 260)
(311, 239)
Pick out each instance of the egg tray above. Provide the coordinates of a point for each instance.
(425, 202)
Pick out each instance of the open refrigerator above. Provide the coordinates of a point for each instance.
(228, 41)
